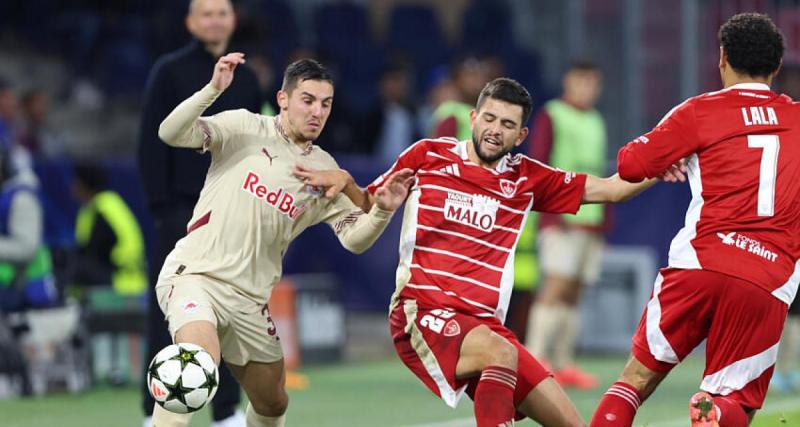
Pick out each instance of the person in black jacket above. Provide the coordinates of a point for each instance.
(173, 178)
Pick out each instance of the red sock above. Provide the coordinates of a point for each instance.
(618, 406)
(494, 397)
(730, 413)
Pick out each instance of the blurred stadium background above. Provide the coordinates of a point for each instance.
(89, 60)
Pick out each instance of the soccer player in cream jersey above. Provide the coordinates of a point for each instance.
(215, 285)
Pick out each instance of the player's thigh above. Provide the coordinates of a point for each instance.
(190, 311)
(251, 335)
(676, 319)
(264, 384)
(482, 348)
(550, 406)
(742, 345)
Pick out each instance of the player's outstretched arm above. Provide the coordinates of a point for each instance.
(612, 189)
(388, 197)
(615, 189)
(182, 128)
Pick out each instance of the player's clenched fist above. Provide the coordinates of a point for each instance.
(223, 70)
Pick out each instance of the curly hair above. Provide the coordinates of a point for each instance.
(753, 44)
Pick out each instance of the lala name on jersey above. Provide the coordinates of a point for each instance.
(759, 116)
(278, 198)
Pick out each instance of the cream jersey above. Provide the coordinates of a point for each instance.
(252, 206)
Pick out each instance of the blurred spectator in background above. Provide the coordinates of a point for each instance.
(526, 278)
(35, 135)
(787, 375)
(111, 259)
(397, 127)
(173, 178)
(451, 118)
(26, 278)
(440, 89)
(265, 73)
(568, 134)
(109, 240)
(9, 112)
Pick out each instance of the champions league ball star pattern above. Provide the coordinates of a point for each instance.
(182, 378)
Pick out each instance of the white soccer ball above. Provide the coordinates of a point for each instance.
(182, 378)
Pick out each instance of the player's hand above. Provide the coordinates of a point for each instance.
(332, 180)
(675, 173)
(223, 70)
(394, 191)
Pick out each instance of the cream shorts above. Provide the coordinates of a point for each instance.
(244, 326)
(574, 253)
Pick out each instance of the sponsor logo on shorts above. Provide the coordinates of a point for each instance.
(190, 307)
(748, 245)
(278, 198)
(476, 211)
(452, 328)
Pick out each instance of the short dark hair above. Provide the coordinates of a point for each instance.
(302, 70)
(508, 90)
(92, 176)
(753, 44)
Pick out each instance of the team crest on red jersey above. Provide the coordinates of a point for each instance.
(452, 328)
(509, 188)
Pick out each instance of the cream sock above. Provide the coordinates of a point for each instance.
(256, 420)
(164, 418)
(564, 347)
(544, 323)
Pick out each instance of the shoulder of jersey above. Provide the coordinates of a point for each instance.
(438, 144)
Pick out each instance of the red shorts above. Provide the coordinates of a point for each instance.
(428, 341)
(742, 323)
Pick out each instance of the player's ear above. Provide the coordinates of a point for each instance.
(283, 99)
(523, 135)
(723, 58)
(473, 114)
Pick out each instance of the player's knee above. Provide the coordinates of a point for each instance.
(273, 406)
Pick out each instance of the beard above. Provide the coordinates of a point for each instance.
(476, 144)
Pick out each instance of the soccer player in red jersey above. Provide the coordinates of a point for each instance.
(461, 225)
(733, 268)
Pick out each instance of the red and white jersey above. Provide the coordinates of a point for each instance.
(462, 222)
(743, 145)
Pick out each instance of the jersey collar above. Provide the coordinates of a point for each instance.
(461, 150)
(749, 86)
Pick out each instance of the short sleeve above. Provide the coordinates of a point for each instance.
(555, 190)
(411, 158)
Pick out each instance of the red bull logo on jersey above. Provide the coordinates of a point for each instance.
(747, 244)
(279, 198)
(473, 210)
